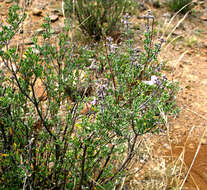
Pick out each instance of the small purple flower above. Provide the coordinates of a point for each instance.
(101, 90)
(94, 102)
(93, 66)
(125, 21)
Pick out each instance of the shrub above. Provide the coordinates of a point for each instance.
(81, 130)
(96, 17)
(176, 5)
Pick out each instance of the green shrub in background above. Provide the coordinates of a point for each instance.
(96, 17)
(49, 142)
(176, 5)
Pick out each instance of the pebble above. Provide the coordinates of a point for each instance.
(204, 17)
(36, 12)
(178, 33)
(204, 141)
(39, 31)
(53, 18)
(28, 42)
(57, 12)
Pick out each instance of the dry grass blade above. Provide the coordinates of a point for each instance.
(179, 59)
(122, 183)
(176, 26)
(180, 21)
(174, 39)
(175, 16)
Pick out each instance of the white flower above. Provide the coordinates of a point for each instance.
(152, 81)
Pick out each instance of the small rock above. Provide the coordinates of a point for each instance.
(36, 12)
(53, 18)
(28, 42)
(204, 17)
(178, 33)
(57, 12)
(204, 140)
(39, 31)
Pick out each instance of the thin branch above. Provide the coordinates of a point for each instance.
(83, 166)
(111, 71)
(105, 164)
(125, 163)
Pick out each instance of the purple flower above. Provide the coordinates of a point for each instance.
(94, 102)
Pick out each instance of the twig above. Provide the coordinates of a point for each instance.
(105, 164)
(111, 71)
(127, 160)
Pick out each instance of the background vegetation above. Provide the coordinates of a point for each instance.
(183, 5)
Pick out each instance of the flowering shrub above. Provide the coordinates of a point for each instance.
(70, 117)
